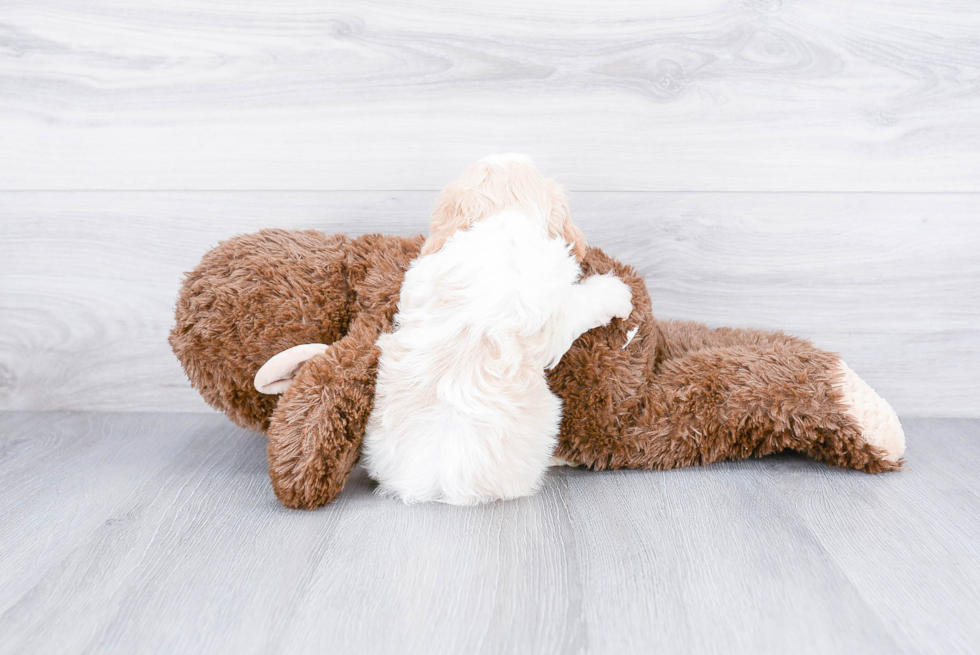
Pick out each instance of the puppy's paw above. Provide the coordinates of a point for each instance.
(613, 298)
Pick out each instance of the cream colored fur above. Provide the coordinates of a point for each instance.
(499, 183)
(463, 413)
(879, 423)
(277, 374)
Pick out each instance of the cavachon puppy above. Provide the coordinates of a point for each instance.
(462, 412)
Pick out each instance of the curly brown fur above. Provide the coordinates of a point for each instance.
(316, 431)
(254, 296)
(716, 403)
(683, 394)
(678, 394)
(250, 298)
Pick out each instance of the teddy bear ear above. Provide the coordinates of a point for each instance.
(277, 374)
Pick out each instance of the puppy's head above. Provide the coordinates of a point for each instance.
(499, 183)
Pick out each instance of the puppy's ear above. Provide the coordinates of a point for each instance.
(277, 374)
(457, 207)
(575, 238)
(445, 218)
(560, 222)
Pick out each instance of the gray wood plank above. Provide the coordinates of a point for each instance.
(919, 530)
(159, 533)
(87, 294)
(892, 281)
(491, 579)
(65, 476)
(202, 559)
(817, 95)
(710, 561)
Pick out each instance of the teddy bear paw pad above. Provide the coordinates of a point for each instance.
(879, 423)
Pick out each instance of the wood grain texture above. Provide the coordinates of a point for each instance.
(754, 95)
(159, 533)
(933, 514)
(141, 532)
(892, 281)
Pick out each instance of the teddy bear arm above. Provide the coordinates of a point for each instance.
(316, 430)
(744, 401)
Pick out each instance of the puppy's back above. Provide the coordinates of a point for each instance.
(463, 413)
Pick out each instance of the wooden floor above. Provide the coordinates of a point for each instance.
(126, 533)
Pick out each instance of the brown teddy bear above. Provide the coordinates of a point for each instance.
(638, 393)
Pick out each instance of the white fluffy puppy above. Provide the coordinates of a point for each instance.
(462, 412)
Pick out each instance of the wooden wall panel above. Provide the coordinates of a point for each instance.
(755, 95)
(890, 280)
(813, 166)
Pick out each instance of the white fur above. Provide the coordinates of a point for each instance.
(463, 413)
(629, 337)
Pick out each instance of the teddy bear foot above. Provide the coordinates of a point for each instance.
(879, 423)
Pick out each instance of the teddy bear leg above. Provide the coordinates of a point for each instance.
(316, 430)
(752, 400)
(879, 423)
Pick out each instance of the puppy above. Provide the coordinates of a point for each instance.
(462, 411)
